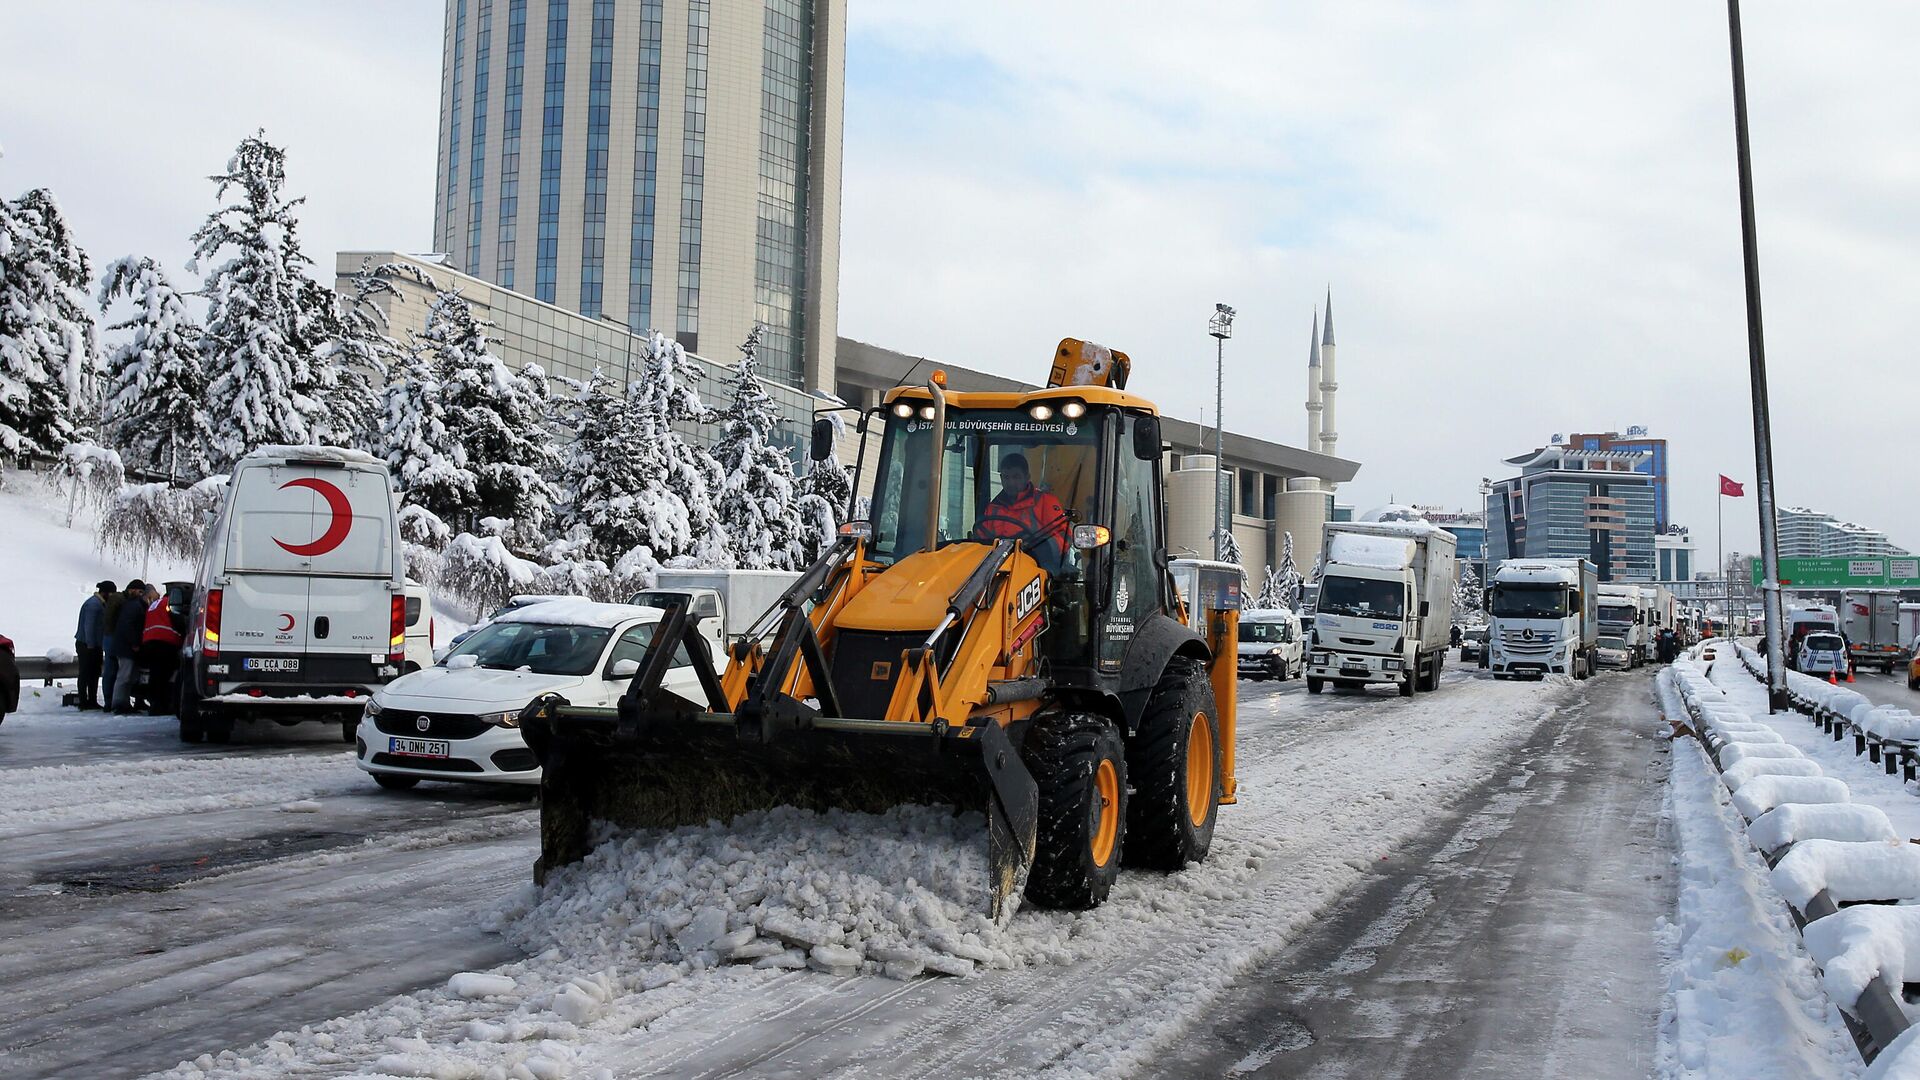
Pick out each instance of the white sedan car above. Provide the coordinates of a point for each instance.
(460, 719)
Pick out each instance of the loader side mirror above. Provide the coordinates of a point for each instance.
(1146, 438)
(623, 669)
(822, 447)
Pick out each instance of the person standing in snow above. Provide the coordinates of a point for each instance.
(89, 639)
(129, 619)
(9, 678)
(109, 654)
(159, 649)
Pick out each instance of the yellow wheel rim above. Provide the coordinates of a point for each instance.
(1106, 830)
(1199, 770)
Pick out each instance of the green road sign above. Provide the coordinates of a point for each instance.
(1899, 572)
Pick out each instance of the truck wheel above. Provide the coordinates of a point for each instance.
(1407, 686)
(347, 729)
(187, 708)
(1174, 763)
(1081, 769)
(1315, 685)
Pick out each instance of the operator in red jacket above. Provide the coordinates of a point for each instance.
(1024, 511)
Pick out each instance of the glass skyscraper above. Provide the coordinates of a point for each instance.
(681, 162)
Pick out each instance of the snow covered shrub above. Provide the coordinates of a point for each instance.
(156, 519)
(423, 537)
(91, 476)
(481, 570)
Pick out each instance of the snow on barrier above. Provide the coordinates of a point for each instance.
(1887, 735)
(1824, 852)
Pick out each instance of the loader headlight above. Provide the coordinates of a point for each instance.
(926, 412)
(502, 719)
(1041, 412)
(1073, 410)
(903, 409)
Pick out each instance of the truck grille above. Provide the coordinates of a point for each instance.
(1515, 643)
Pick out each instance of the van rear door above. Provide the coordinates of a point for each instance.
(311, 558)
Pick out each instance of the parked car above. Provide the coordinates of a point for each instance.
(1473, 644)
(1823, 654)
(513, 604)
(1270, 645)
(1613, 650)
(460, 719)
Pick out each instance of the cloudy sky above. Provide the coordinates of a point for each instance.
(1526, 211)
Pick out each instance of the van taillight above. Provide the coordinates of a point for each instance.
(397, 647)
(210, 630)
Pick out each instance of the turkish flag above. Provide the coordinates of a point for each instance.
(1729, 487)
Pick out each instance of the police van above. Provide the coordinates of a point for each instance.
(300, 606)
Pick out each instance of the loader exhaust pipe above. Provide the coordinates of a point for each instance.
(934, 477)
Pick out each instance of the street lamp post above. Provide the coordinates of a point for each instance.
(626, 366)
(1757, 374)
(1220, 327)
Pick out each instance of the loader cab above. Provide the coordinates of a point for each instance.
(1091, 518)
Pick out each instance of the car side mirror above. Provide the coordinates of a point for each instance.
(1146, 438)
(822, 447)
(623, 669)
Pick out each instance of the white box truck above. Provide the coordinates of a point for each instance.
(1544, 618)
(300, 606)
(725, 603)
(1623, 626)
(1662, 616)
(1870, 620)
(1385, 606)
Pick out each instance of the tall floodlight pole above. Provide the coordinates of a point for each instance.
(1757, 364)
(1220, 326)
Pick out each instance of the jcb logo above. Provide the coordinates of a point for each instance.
(1028, 600)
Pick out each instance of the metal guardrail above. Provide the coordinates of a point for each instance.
(1877, 1018)
(39, 667)
(1897, 756)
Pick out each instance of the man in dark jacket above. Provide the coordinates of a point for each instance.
(123, 641)
(89, 638)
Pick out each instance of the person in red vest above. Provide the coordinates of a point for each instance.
(1024, 511)
(159, 651)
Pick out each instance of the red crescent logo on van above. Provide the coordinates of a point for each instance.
(337, 528)
(286, 618)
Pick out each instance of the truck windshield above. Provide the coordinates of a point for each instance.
(1616, 614)
(1264, 631)
(1055, 461)
(1362, 598)
(1529, 601)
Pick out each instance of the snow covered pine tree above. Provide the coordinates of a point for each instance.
(756, 507)
(667, 397)
(358, 354)
(49, 345)
(1288, 574)
(612, 477)
(428, 463)
(261, 336)
(496, 415)
(154, 407)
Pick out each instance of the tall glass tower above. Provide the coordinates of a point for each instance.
(670, 164)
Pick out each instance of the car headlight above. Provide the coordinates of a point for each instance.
(373, 708)
(502, 719)
(1275, 651)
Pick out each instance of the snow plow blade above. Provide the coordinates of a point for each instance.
(661, 760)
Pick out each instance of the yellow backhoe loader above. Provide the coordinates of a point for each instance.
(1003, 635)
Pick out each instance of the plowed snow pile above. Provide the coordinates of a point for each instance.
(896, 893)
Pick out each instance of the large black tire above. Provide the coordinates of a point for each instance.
(395, 781)
(219, 729)
(1176, 790)
(1081, 769)
(187, 709)
(1315, 685)
(1411, 683)
(347, 730)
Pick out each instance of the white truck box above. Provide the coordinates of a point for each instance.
(1384, 611)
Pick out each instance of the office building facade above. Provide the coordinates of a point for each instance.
(1635, 441)
(669, 164)
(1596, 505)
(1810, 534)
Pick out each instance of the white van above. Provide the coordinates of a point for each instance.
(300, 608)
(1270, 645)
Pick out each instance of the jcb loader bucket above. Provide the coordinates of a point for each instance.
(661, 760)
